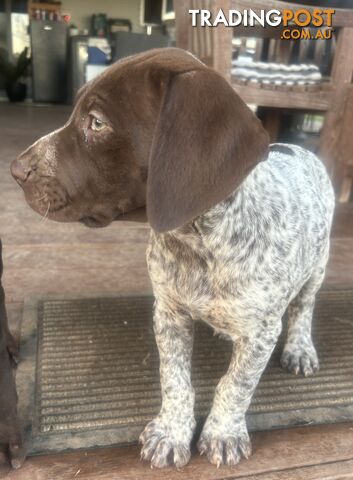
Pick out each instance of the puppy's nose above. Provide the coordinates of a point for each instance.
(19, 172)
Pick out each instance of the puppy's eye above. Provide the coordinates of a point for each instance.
(97, 125)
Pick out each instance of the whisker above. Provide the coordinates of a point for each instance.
(45, 217)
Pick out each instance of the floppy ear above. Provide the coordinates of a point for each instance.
(205, 143)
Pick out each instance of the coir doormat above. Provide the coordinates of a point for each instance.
(89, 372)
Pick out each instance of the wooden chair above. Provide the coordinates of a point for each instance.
(344, 147)
(214, 47)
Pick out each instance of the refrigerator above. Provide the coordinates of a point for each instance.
(49, 50)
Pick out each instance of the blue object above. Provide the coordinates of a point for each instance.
(96, 56)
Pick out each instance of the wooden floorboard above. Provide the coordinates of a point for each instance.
(306, 452)
(50, 258)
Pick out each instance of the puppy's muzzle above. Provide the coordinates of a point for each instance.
(20, 172)
(43, 191)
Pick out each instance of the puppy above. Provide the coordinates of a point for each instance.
(10, 433)
(240, 229)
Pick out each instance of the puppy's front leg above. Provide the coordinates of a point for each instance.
(224, 437)
(166, 439)
(11, 344)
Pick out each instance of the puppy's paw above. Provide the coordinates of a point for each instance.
(12, 449)
(300, 358)
(224, 446)
(167, 443)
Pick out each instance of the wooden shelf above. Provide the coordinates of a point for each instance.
(306, 97)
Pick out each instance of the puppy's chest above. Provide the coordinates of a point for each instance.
(194, 275)
(222, 272)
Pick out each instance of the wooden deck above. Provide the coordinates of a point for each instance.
(51, 258)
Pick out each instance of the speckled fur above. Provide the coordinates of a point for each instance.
(238, 267)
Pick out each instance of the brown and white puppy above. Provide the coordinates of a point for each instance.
(10, 432)
(239, 231)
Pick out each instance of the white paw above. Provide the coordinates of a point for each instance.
(225, 446)
(300, 358)
(167, 443)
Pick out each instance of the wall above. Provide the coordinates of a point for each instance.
(81, 11)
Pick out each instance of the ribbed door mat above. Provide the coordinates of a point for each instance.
(89, 372)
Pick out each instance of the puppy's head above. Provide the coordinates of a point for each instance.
(157, 129)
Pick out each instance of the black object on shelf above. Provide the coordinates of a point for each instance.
(128, 43)
(119, 24)
(49, 48)
(151, 12)
(99, 25)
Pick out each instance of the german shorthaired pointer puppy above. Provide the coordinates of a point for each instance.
(240, 230)
(10, 434)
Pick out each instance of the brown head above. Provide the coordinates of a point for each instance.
(158, 129)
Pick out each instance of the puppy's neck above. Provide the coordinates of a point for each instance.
(218, 224)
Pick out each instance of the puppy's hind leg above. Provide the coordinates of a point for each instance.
(166, 439)
(299, 354)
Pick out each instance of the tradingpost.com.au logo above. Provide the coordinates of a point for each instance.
(296, 24)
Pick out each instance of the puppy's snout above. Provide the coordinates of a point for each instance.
(20, 171)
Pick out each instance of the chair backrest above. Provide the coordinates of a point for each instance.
(211, 45)
(194, 39)
(343, 17)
